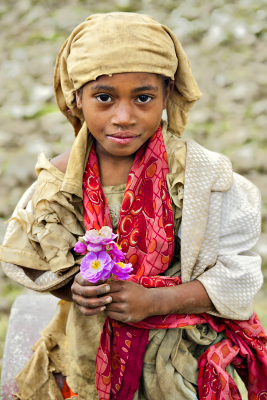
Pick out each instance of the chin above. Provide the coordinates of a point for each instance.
(122, 152)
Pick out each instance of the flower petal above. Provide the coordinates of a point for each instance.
(80, 248)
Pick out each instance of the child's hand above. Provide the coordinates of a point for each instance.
(130, 302)
(90, 297)
(127, 301)
(124, 301)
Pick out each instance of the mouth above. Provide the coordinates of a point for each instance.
(122, 137)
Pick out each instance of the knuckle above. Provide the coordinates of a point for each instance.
(102, 302)
(75, 298)
(92, 303)
(101, 290)
(84, 303)
(82, 281)
(123, 308)
(123, 297)
(96, 311)
(80, 291)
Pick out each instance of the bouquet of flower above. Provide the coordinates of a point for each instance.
(103, 256)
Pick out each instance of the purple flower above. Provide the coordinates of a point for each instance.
(115, 251)
(80, 248)
(103, 237)
(96, 266)
(95, 247)
(122, 270)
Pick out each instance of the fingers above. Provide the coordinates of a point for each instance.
(90, 297)
(89, 312)
(116, 286)
(89, 291)
(91, 306)
(92, 302)
(84, 282)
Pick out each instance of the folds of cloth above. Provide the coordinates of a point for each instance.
(69, 345)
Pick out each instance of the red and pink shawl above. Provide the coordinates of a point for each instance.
(146, 235)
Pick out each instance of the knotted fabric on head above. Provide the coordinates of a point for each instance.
(107, 44)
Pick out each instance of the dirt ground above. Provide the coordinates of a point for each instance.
(226, 45)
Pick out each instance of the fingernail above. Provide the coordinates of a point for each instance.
(107, 288)
(108, 299)
(103, 308)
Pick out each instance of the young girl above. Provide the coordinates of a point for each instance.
(181, 216)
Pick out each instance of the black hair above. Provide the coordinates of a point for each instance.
(80, 91)
(166, 83)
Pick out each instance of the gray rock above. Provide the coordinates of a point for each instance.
(29, 316)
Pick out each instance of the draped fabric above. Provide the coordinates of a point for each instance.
(145, 232)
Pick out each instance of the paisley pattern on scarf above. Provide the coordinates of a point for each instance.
(145, 231)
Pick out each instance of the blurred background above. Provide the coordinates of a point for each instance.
(226, 44)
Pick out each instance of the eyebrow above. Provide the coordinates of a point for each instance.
(149, 88)
(103, 87)
(113, 89)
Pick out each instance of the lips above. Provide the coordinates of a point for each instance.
(123, 135)
(122, 138)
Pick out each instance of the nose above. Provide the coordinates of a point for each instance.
(124, 114)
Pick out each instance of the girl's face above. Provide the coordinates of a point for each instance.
(123, 111)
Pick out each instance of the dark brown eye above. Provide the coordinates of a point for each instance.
(104, 98)
(143, 98)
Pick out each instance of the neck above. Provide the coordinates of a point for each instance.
(114, 170)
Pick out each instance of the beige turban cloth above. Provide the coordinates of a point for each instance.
(107, 44)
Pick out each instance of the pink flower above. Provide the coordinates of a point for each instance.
(101, 238)
(80, 248)
(122, 270)
(115, 251)
(104, 256)
(95, 247)
(96, 266)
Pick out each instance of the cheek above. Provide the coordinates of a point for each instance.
(96, 120)
(154, 118)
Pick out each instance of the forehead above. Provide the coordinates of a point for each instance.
(127, 79)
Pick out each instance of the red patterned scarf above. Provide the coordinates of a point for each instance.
(146, 234)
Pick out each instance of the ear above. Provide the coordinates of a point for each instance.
(78, 101)
(167, 93)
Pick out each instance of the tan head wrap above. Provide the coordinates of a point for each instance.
(113, 43)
